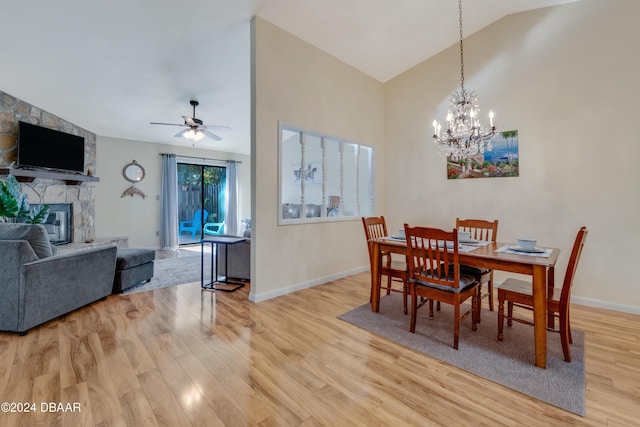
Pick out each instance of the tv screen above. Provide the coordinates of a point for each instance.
(48, 148)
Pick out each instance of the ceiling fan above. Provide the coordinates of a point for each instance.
(195, 129)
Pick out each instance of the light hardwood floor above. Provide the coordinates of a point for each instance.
(181, 357)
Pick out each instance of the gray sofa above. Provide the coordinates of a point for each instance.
(37, 286)
(239, 259)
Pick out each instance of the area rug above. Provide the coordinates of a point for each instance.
(174, 271)
(510, 363)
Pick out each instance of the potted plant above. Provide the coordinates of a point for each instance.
(14, 204)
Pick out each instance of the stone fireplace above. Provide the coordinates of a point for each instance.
(79, 198)
(51, 189)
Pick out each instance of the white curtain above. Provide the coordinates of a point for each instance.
(169, 203)
(231, 219)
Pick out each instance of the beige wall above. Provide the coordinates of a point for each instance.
(302, 86)
(139, 218)
(566, 78)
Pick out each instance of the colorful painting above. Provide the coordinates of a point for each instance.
(501, 161)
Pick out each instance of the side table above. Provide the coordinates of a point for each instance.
(219, 283)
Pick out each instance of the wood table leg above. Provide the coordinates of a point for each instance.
(375, 277)
(551, 320)
(540, 314)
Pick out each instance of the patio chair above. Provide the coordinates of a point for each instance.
(213, 228)
(194, 226)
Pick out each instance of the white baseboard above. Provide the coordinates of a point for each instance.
(606, 305)
(304, 285)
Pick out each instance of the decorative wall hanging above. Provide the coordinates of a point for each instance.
(134, 173)
(501, 161)
(311, 174)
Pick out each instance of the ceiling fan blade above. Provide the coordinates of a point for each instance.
(182, 132)
(211, 134)
(167, 124)
(218, 127)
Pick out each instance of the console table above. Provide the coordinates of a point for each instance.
(219, 283)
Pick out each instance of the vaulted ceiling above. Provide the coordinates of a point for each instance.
(114, 66)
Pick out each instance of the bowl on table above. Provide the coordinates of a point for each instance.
(464, 236)
(527, 244)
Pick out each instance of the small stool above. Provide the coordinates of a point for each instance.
(132, 267)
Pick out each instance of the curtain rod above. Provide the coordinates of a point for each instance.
(202, 158)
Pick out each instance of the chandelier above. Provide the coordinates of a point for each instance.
(465, 136)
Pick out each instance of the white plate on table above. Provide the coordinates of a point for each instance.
(529, 251)
(449, 244)
(468, 241)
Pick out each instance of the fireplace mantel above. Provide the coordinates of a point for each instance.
(31, 174)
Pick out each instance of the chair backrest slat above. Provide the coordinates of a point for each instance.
(480, 229)
(374, 228)
(572, 266)
(431, 252)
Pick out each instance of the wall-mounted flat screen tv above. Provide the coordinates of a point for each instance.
(42, 147)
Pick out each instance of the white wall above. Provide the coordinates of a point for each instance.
(139, 218)
(302, 86)
(566, 78)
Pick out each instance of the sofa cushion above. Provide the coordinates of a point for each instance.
(132, 257)
(35, 234)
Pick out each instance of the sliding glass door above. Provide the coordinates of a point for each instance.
(201, 201)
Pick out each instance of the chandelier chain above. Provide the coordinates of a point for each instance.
(464, 136)
(461, 49)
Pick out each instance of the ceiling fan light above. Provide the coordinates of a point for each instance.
(197, 136)
(190, 134)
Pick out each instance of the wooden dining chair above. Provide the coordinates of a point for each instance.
(395, 270)
(519, 293)
(434, 274)
(481, 230)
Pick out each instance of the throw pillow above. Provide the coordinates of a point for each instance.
(35, 234)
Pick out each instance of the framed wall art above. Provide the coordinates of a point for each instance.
(501, 161)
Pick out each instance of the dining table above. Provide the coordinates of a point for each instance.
(541, 268)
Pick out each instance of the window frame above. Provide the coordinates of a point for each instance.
(309, 165)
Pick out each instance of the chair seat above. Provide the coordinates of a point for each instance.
(399, 266)
(516, 286)
(466, 281)
(520, 292)
(474, 271)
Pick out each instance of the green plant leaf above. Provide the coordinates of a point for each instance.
(13, 203)
(8, 204)
(37, 215)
